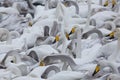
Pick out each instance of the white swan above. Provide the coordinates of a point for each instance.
(66, 59)
(10, 10)
(42, 51)
(105, 63)
(109, 25)
(21, 61)
(99, 20)
(5, 35)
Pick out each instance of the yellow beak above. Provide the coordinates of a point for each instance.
(111, 35)
(30, 24)
(72, 31)
(57, 38)
(97, 69)
(113, 3)
(42, 63)
(106, 3)
(67, 36)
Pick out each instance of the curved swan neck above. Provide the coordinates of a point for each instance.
(87, 34)
(30, 4)
(63, 58)
(76, 6)
(15, 34)
(114, 69)
(111, 24)
(50, 68)
(106, 63)
(11, 53)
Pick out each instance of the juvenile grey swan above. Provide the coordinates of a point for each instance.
(87, 34)
(64, 58)
(50, 68)
(69, 3)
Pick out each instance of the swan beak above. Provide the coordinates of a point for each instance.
(113, 3)
(42, 63)
(106, 3)
(66, 4)
(67, 36)
(97, 69)
(30, 24)
(57, 38)
(111, 35)
(72, 31)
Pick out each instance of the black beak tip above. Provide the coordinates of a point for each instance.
(111, 37)
(93, 74)
(70, 33)
(54, 42)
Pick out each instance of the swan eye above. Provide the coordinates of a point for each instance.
(12, 61)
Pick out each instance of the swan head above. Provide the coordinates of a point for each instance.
(115, 33)
(73, 30)
(10, 60)
(57, 38)
(106, 3)
(97, 69)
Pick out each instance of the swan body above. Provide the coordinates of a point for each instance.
(41, 52)
(69, 76)
(100, 20)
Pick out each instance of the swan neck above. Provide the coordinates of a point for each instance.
(76, 6)
(114, 69)
(50, 68)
